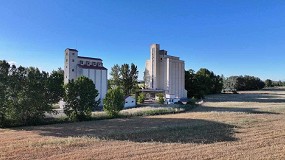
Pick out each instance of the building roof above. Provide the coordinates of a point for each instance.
(128, 97)
(152, 90)
(90, 58)
(71, 49)
(91, 67)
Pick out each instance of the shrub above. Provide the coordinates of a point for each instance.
(234, 92)
(113, 102)
(179, 102)
(141, 98)
(160, 98)
(80, 99)
(191, 102)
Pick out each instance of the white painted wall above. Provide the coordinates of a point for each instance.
(130, 102)
(98, 76)
(167, 73)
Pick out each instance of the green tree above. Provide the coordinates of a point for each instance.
(32, 98)
(124, 77)
(141, 97)
(268, 83)
(202, 83)
(80, 99)
(241, 83)
(55, 85)
(115, 81)
(27, 96)
(160, 98)
(113, 103)
(4, 70)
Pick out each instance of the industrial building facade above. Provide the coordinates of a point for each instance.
(165, 72)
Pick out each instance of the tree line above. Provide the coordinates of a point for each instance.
(242, 83)
(271, 83)
(26, 94)
(202, 82)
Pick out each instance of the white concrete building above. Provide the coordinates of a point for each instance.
(165, 72)
(76, 66)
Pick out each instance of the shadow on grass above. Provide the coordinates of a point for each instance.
(253, 97)
(163, 130)
(204, 108)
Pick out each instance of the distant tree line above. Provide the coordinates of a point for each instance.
(270, 83)
(242, 83)
(202, 82)
(26, 94)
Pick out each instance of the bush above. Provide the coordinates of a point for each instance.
(234, 92)
(141, 98)
(80, 99)
(160, 98)
(113, 102)
(179, 102)
(191, 102)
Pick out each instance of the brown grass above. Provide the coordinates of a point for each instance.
(250, 125)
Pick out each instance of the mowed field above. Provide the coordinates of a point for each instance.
(250, 125)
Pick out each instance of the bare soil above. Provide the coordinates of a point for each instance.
(249, 125)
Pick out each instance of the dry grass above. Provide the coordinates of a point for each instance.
(250, 125)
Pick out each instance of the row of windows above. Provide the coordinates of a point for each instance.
(67, 53)
(67, 60)
(132, 102)
(93, 63)
(88, 63)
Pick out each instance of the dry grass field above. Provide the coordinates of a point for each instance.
(250, 125)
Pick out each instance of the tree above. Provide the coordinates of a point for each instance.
(268, 83)
(202, 83)
(80, 99)
(141, 97)
(124, 77)
(160, 98)
(55, 85)
(32, 99)
(241, 83)
(113, 103)
(115, 74)
(26, 97)
(4, 70)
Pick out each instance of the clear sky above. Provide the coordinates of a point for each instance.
(229, 37)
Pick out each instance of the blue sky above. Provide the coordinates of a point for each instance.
(236, 37)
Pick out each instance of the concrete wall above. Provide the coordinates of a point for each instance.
(70, 65)
(72, 70)
(165, 72)
(130, 102)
